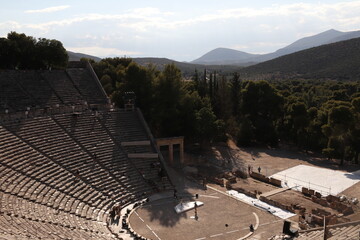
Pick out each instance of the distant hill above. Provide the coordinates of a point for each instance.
(346, 36)
(230, 56)
(187, 69)
(340, 60)
(225, 56)
(309, 42)
(77, 56)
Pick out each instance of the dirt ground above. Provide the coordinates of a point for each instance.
(251, 184)
(228, 157)
(221, 217)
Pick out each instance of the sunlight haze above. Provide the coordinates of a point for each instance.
(181, 31)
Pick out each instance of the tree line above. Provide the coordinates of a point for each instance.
(171, 106)
(19, 51)
(314, 115)
(317, 115)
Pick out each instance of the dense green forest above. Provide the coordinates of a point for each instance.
(315, 115)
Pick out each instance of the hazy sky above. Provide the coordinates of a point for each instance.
(181, 30)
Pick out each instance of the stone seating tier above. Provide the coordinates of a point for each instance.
(62, 164)
(44, 89)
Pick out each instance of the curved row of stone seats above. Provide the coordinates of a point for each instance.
(25, 208)
(87, 85)
(47, 137)
(147, 167)
(22, 227)
(125, 126)
(39, 207)
(42, 89)
(42, 213)
(50, 193)
(18, 145)
(138, 149)
(120, 122)
(37, 87)
(12, 95)
(63, 86)
(89, 133)
(319, 234)
(36, 137)
(343, 231)
(28, 166)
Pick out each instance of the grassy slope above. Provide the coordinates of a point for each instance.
(339, 60)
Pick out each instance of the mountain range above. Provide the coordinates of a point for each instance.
(339, 60)
(225, 56)
(331, 54)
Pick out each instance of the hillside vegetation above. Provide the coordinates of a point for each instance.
(339, 60)
(221, 56)
(311, 114)
(187, 69)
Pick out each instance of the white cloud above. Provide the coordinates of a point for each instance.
(49, 9)
(150, 30)
(10, 25)
(149, 11)
(101, 51)
(344, 12)
(146, 19)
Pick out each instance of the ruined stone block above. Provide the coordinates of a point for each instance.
(262, 198)
(333, 205)
(323, 202)
(331, 198)
(348, 211)
(275, 182)
(332, 220)
(317, 194)
(314, 199)
(240, 174)
(259, 177)
(305, 191)
(317, 220)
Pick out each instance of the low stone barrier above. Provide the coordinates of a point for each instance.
(275, 182)
(219, 181)
(230, 177)
(317, 220)
(259, 176)
(333, 203)
(240, 174)
(331, 198)
(305, 191)
(277, 204)
(248, 193)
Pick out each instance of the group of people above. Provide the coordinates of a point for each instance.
(115, 212)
